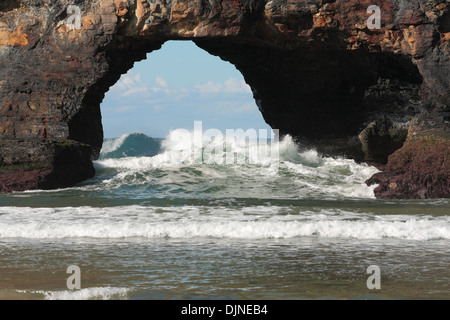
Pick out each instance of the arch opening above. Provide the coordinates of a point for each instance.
(175, 86)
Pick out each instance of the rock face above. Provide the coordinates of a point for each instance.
(317, 71)
(419, 170)
(33, 164)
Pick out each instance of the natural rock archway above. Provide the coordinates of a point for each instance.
(316, 70)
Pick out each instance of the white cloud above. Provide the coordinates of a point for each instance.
(246, 108)
(209, 87)
(130, 84)
(161, 86)
(233, 85)
(134, 91)
(133, 84)
(229, 86)
(125, 109)
(161, 82)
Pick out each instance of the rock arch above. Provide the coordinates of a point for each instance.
(317, 72)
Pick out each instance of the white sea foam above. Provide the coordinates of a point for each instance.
(255, 165)
(95, 293)
(182, 147)
(218, 222)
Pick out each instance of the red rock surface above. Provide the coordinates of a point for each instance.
(419, 170)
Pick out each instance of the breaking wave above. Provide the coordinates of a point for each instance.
(224, 167)
(259, 222)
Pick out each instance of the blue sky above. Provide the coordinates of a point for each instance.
(175, 86)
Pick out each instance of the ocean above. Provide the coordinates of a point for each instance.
(163, 219)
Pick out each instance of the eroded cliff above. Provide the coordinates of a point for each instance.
(317, 71)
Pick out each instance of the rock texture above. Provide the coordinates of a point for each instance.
(33, 164)
(418, 170)
(317, 72)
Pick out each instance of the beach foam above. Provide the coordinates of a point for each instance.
(216, 222)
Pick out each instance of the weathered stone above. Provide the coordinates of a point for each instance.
(36, 164)
(316, 70)
(419, 170)
(380, 139)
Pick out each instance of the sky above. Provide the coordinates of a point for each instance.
(175, 86)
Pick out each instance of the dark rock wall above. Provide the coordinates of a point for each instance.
(316, 70)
